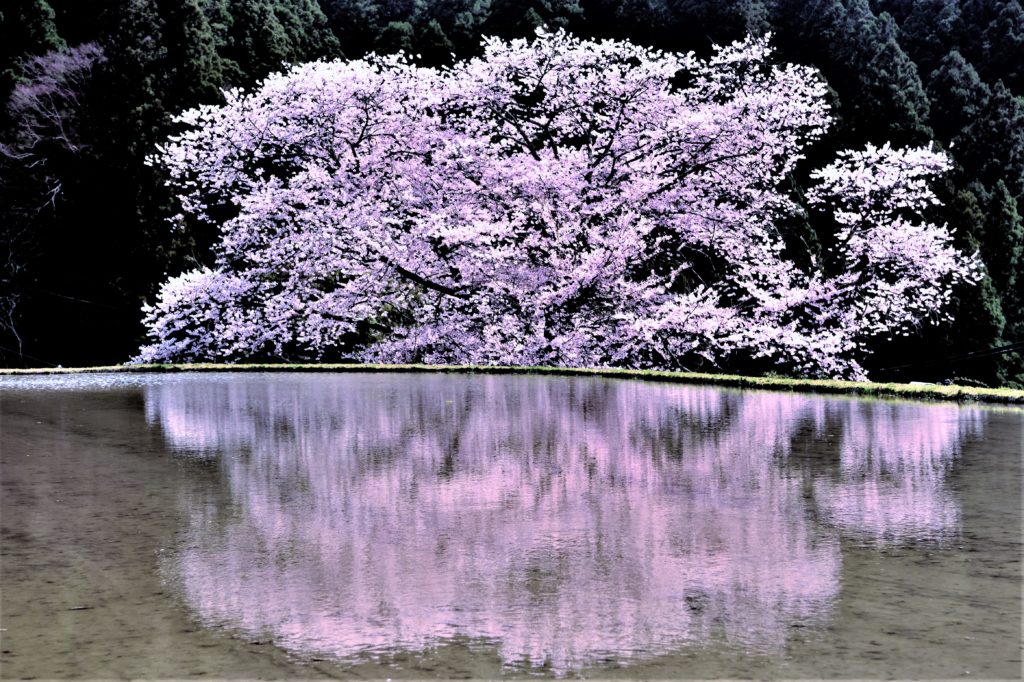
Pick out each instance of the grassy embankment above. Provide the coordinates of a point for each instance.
(864, 388)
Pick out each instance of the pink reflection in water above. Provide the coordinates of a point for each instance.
(564, 521)
(894, 460)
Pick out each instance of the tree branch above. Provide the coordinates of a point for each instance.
(424, 282)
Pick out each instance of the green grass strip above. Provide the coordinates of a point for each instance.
(862, 388)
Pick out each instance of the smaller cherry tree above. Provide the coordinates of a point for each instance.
(556, 202)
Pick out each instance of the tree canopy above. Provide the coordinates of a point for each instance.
(555, 201)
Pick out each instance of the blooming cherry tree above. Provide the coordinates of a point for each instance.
(555, 201)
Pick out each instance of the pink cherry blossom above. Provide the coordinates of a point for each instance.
(556, 201)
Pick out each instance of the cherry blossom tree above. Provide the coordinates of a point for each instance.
(553, 202)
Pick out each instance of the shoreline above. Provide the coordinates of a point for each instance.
(1004, 396)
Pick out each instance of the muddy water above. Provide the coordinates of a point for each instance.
(357, 525)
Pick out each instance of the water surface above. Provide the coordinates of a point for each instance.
(296, 525)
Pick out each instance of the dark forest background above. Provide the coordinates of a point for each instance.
(89, 87)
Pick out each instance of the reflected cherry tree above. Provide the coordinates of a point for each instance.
(561, 521)
(894, 460)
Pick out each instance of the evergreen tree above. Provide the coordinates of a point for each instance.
(880, 93)
(990, 316)
(1004, 253)
(220, 21)
(811, 32)
(256, 43)
(356, 23)
(265, 35)
(194, 71)
(397, 36)
(928, 31)
(888, 102)
(305, 25)
(131, 87)
(1004, 238)
(463, 21)
(518, 18)
(993, 39)
(957, 94)
(992, 145)
(1003, 40)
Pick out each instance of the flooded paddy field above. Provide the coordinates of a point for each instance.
(465, 526)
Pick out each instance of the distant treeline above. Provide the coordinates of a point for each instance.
(88, 88)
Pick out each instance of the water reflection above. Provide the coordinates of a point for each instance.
(894, 462)
(564, 521)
